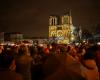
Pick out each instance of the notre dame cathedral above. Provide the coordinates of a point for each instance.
(61, 29)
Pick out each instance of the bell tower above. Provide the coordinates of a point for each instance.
(53, 21)
(66, 18)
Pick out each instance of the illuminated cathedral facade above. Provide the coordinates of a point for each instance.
(61, 29)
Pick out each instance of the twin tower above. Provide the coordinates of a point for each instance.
(61, 28)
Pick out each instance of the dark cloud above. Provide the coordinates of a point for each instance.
(31, 16)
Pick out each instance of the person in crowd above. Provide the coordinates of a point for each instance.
(7, 68)
(14, 50)
(23, 62)
(39, 58)
(73, 53)
(62, 67)
(89, 69)
(1, 48)
(97, 59)
(81, 51)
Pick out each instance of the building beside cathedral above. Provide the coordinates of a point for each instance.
(61, 29)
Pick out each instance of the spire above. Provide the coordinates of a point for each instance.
(70, 12)
(67, 11)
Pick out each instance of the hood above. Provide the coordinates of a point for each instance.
(90, 64)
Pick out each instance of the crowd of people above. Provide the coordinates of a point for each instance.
(54, 62)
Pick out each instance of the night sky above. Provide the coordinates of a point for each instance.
(31, 16)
